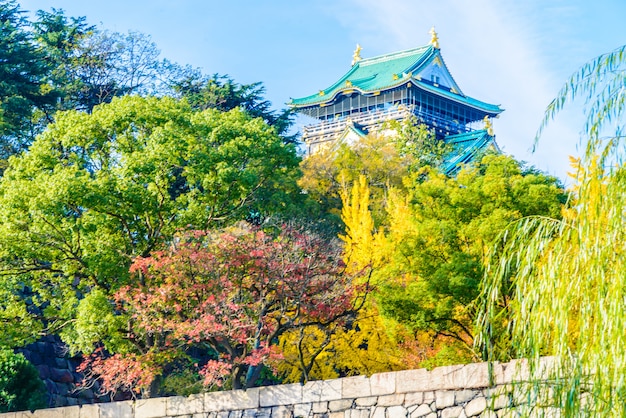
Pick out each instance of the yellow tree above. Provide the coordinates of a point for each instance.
(365, 346)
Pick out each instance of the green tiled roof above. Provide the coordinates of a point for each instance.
(372, 75)
(466, 148)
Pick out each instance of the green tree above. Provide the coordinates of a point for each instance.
(22, 85)
(96, 190)
(88, 66)
(60, 40)
(427, 258)
(418, 145)
(223, 93)
(20, 386)
(385, 160)
(558, 285)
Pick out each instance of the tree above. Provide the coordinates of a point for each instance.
(97, 190)
(418, 144)
(222, 93)
(362, 346)
(20, 386)
(558, 285)
(23, 89)
(383, 159)
(427, 258)
(231, 294)
(90, 66)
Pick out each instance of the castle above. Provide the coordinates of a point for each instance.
(411, 83)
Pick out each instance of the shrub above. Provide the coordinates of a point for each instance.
(20, 385)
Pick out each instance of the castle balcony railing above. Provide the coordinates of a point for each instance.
(327, 129)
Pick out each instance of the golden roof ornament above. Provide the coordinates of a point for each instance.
(434, 40)
(488, 125)
(356, 57)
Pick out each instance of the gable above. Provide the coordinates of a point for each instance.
(438, 74)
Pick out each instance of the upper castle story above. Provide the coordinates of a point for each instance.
(393, 87)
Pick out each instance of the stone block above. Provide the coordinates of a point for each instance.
(444, 398)
(500, 401)
(429, 397)
(123, 409)
(497, 373)
(452, 412)
(319, 407)
(61, 375)
(336, 415)
(507, 413)
(65, 412)
(369, 401)
(281, 411)
(475, 406)
(231, 400)
(547, 412)
(322, 390)
(302, 410)
(421, 411)
(340, 405)
(378, 412)
(263, 413)
(474, 375)
(87, 394)
(89, 411)
(150, 408)
(391, 400)
(235, 414)
(413, 381)
(442, 377)
(488, 414)
(280, 395)
(44, 371)
(383, 383)
(357, 413)
(179, 405)
(463, 396)
(514, 371)
(250, 413)
(415, 398)
(396, 412)
(497, 391)
(355, 387)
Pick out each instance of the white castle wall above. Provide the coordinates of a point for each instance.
(452, 391)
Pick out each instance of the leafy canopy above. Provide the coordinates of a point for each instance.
(427, 257)
(97, 190)
(231, 294)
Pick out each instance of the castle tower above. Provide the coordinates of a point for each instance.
(393, 87)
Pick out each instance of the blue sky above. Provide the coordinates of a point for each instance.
(513, 53)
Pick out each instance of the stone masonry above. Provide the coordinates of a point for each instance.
(445, 392)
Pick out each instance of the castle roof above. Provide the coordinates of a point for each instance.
(371, 76)
(467, 148)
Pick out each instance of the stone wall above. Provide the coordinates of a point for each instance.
(452, 391)
(57, 369)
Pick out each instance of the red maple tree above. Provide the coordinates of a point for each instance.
(232, 293)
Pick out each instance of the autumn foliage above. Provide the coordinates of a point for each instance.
(233, 294)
